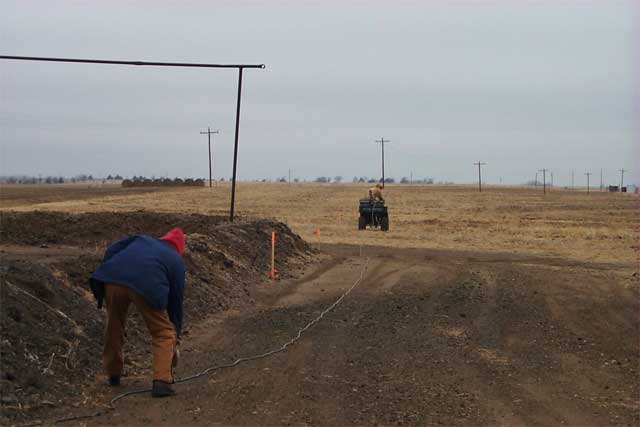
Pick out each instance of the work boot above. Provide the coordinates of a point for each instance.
(162, 389)
(114, 380)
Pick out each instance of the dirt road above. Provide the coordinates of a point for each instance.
(428, 337)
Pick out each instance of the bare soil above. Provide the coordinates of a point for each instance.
(51, 330)
(429, 337)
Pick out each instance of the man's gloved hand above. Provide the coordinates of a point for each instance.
(176, 356)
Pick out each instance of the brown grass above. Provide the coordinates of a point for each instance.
(597, 227)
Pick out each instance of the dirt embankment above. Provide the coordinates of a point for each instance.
(50, 328)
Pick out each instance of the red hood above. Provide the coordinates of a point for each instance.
(176, 238)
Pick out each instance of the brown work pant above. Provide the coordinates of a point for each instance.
(163, 334)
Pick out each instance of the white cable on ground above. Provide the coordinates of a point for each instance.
(211, 369)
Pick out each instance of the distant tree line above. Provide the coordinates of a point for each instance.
(162, 182)
(403, 180)
(327, 179)
(24, 179)
(28, 179)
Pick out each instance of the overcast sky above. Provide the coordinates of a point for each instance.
(520, 85)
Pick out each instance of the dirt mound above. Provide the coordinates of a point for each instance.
(50, 327)
(40, 227)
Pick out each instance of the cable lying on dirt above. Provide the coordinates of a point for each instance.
(211, 369)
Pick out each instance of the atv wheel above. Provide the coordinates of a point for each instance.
(362, 223)
(384, 223)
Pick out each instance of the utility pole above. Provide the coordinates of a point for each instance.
(551, 186)
(601, 187)
(382, 141)
(622, 171)
(544, 180)
(289, 176)
(479, 175)
(535, 184)
(208, 133)
(588, 174)
(411, 178)
(572, 186)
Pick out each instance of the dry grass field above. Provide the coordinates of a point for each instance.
(598, 226)
(21, 195)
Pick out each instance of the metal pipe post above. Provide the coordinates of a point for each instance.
(382, 141)
(382, 162)
(209, 136)
(235, 147)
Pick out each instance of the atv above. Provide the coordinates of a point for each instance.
(373, 213)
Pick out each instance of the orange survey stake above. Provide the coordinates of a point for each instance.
(273, 274)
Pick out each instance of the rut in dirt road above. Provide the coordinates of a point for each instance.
(427, 338)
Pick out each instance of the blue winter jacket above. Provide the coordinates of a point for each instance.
(149, 266)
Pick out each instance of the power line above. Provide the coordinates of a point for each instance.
(208, 133)
(479, 175)
(382, 141)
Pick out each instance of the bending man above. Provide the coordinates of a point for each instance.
(149, 273)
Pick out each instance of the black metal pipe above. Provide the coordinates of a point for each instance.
(235, 147)
(382, 141)
(210, 177)
(382, 162)
(139, 63)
